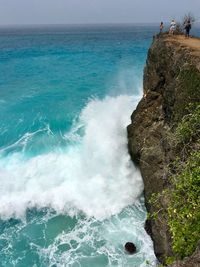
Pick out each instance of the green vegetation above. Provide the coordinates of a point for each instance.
(170, 260)
(189, 128)
(184, 208)
(188, 91)
(184, 195)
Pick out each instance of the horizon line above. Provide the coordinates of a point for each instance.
(80, 24)
(87, 24)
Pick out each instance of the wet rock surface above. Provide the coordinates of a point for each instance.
(130, 248)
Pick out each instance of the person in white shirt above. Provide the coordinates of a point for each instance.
(172, 27)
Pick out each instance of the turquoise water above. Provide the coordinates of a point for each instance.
(69, 193)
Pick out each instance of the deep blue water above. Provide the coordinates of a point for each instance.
(69, 193)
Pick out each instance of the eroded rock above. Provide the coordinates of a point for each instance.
(171, 81)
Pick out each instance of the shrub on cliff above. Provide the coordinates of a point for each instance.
(189, 16)
(188, 131)
(180, 25)
(184, 208)
(184, 194)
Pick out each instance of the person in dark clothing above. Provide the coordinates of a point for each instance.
(187, 28)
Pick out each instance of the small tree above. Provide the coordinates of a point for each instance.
(180, 26)
(189, 17)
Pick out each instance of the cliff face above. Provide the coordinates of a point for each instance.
(171, 81)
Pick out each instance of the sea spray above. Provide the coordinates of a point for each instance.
(89, 185)
(87, 177)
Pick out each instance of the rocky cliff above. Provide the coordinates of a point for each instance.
(171, 81)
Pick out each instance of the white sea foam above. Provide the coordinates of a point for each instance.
(107, 239)
(95, 175)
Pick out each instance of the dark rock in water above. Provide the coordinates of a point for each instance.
(130, 248)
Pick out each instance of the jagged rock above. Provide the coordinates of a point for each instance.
(171, 81)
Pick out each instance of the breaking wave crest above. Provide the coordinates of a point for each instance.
(93, 175)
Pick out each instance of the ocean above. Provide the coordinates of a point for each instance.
(69, 192)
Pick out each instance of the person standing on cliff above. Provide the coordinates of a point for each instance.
(187, 28)
(172, 27)
(161, 27)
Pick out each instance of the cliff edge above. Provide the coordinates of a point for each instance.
(171, 82)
